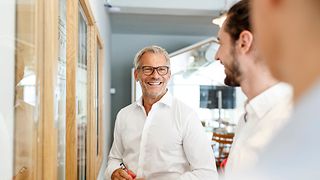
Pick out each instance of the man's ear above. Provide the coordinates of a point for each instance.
(245, 41)
(136, 74)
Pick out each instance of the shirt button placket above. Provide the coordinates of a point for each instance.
(143, 144)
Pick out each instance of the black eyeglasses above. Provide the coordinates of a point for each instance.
(148, 70)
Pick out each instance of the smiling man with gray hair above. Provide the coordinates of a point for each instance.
(158, 137)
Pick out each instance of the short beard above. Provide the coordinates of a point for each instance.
(233, 79)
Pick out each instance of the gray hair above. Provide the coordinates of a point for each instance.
(153, 49)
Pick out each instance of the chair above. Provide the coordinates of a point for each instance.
(221, 146)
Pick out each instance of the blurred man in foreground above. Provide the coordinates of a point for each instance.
(288, 36)
(269, 101)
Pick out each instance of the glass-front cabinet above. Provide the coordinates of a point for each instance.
(58, 91)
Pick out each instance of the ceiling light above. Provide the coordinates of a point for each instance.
(223, 13)
(220, 19)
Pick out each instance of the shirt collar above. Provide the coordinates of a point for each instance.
(261, 104)
(166, 100)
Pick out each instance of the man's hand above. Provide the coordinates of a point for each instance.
(133, 175)
(120, 174)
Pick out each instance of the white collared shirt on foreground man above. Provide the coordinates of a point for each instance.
(168, 144)
(267, 114)
(294, 153)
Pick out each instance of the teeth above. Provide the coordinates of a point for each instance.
(154, 83)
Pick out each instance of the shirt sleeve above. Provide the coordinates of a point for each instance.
(116, 152)
(198, 151)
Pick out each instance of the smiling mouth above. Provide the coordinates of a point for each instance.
(154, 83)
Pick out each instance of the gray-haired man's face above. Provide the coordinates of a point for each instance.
(154, 85)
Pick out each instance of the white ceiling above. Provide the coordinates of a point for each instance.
(168, 17)
(174, 4)
(162, 24)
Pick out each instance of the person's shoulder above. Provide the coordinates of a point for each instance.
(125, 113)
(129, 108)
(183, 108)
(181, 104)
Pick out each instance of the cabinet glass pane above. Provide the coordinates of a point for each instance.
(81, 93)
(60, 92)
(26, 91)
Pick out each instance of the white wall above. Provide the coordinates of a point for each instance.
(7, 30)
(103, 22)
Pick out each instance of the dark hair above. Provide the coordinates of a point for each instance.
(238, 19)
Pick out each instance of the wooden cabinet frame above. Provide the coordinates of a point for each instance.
(93, 160)
(96, 140)
(50, 78)
(100, 103)
(71, 124)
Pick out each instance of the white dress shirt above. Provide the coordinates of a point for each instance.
(167, 144)
(295, 152)
(265, 114)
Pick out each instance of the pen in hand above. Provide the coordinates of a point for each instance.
(123, 167)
